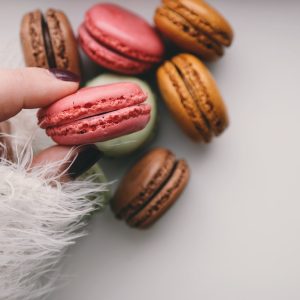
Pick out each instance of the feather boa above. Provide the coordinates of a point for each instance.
(39, 219)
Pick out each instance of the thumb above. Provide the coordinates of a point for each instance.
(33, 88)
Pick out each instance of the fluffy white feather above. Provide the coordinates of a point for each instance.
(29, 130)
(39, 219)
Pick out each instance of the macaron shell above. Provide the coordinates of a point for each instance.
(32, 41)
(127, 144)
(164, 199)
(63, 41)
(181, 103)
(142, 181)
(102, 127)
(184, 35)
(91, 101)
(106, 58)
(124, 31)
(203, 16)
(207, 95)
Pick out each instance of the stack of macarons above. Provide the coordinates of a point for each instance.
(117, 111)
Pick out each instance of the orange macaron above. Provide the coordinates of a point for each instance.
(191, 94)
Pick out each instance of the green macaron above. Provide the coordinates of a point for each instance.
(96, 174)
(127, 144)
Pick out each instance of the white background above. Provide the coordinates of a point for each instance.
(234, 234)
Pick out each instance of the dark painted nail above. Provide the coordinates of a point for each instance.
(65, 75)
(86, 158)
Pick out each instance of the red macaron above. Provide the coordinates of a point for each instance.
(96, 114)
(120, 40)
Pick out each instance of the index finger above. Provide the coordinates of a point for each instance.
(33, 88)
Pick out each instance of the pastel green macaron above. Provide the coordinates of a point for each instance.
(96, 174)
(127, 144)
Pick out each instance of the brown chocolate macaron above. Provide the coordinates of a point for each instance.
(48, 41)
(150, 188)
(192, 96)
(194, 26)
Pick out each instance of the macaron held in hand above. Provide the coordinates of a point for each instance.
(48, 41)
(150, 188)
(127, 144)
(194, 26)
(192, 96)
(119, 40)
(95, 114)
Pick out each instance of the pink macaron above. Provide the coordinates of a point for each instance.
(119, 40)
(96, 114)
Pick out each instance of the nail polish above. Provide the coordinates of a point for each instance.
(86, 158)
(65, 75)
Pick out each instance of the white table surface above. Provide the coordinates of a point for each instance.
(234, 234)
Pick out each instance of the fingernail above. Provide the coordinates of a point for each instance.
(65, 75)
(85, 159)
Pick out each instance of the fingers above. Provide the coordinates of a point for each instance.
(33, 88)
(75, 161)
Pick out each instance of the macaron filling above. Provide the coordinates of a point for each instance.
(48, 43)
(58, 38)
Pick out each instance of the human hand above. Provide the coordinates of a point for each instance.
(34, 88)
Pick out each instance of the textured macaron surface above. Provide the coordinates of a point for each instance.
(108, 58)
(48, 41)
(192, 96)
(63, 42)
(91, 101)
(102, 127)
(150, 187)
(124, 31)
(194, 26)
(32, 40)
(203, 17)
(127, 144)
(94, 114)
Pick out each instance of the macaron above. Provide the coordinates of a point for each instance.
(194, 26)
(192, 96)
(95, 114)
(119, 40)
(127, 144)
(150, 187)
(97, 175)
(48, 41)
